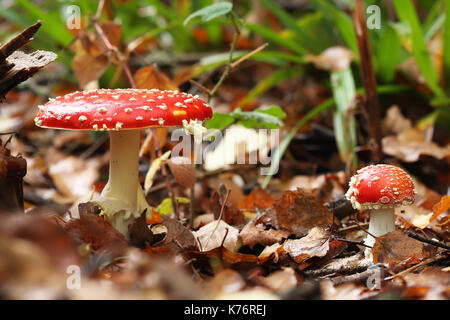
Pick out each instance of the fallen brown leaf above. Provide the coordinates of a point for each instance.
(315, 244)
(293, 215)
(97, 232)
(395, 247)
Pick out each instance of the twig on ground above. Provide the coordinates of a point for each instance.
(220, 216)
(428, 261)
(429, 241)
(361, 276)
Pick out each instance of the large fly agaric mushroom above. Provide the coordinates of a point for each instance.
(380, 188)
(123, 112)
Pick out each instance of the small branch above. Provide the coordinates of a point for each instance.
(429, 241)
(359, 276)
(372, 104)
(220, 216)
(230, 58)
(428, 261)
(116, 52)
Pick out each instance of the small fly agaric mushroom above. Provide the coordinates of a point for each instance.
(380, 188)
(123, 112)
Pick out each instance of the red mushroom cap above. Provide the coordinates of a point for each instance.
(119, 109)
(380, 186)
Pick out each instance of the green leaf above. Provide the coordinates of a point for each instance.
(219, 121)
(166, 208)
(275, 111)
(270, 119)
(210, 12)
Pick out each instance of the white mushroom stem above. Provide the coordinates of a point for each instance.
(381, 222)
(122, 199)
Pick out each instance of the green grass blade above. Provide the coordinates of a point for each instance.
(51, 22)
(343, 23)
(274, 37)
(289, 22)
(269, 82)
(388, 54)
(407, 14)
(279, 152)
(446, 43)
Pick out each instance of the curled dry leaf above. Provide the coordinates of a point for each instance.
(440, 207)
(152, 78)
(218, 233)
(395, 247)
(155, 166)
(183, 171)
(332, 59)
(410, 151)
(74, 177)
(315, 244)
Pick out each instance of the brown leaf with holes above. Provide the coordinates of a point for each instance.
(153, 78)
(315, 244)
(293, 215)
(395, 247)
(183, 171)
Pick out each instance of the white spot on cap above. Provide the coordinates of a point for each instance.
(82, 118)
(119, 125)
(139, 118)
(128, 110)
(102, 110)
